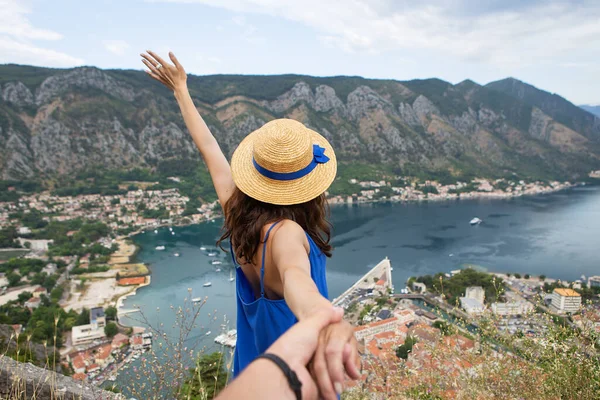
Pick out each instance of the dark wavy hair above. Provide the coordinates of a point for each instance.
(245, 217)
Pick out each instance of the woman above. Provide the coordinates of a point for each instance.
(275, 218)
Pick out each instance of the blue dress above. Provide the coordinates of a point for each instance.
(261, 321)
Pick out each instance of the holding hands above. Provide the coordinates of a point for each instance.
(323, 337)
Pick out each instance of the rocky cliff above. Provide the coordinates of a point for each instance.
(64, 121)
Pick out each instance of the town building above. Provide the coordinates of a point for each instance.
(472, 306)
(374, 328)
(78, 363)
(79, 376)
(86, 333)
(92, 331)
(40, 291)
(384, 314)
(512, 308)
(33, 303)
(120, 340)
(404, 315)
(419, 287)
(50, 269)
(594, 281)
(97, 317)
(103, 355)
(566, 300)
(475, 292)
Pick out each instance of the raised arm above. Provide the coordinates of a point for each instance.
(174, 77)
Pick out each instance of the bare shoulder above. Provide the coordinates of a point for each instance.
(289, 232)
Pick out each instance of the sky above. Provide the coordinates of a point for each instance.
(551, 44)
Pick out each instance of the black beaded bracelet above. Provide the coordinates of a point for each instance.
(291, 376)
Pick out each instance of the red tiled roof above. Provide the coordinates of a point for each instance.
(78, 362)
(374, 324)
(103, 352)
(140, 280)
(136, 340)
(79, 377)
(120, 339)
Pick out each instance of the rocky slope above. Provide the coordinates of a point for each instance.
(65, 121)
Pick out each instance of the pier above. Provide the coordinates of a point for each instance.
(381, 275)
(126, 311)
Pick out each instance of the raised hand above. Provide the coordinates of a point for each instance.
(172, 76)
(337, 351)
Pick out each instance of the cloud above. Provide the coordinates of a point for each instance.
(118, 47)
(17, 37)
(14, 51)
(249, 31)
(505, 33)
(13, 22)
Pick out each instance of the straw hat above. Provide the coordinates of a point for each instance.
(283, 163)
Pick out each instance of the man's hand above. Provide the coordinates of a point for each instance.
(172, 76)
(337, 351)
(299, 343)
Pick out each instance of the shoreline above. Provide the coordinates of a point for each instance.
(121, 300)
(472, 196)
(478, 195)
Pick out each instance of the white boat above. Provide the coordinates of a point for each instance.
(227, 339)
(197, 300)
(207, 284)
(218, 270)
(451, 255)
(176, 254)
(475, 221)
(172, 233)
(216, 262)
(160, 247)
(231, 278)
(156, 231)
(202, 248)
(171, 229)
(208, 333)
(212, 254)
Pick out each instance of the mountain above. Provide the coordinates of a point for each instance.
(592, 109)
(63, 121)
(555, 106)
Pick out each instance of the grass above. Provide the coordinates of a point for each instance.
(132, 270)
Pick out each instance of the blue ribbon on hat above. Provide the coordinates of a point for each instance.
(319, 157)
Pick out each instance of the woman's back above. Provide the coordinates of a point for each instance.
(280, 171)
(260, 319)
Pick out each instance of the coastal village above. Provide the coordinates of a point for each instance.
(431, 190)
(86, 282)
(424, 329)
(91, 278)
